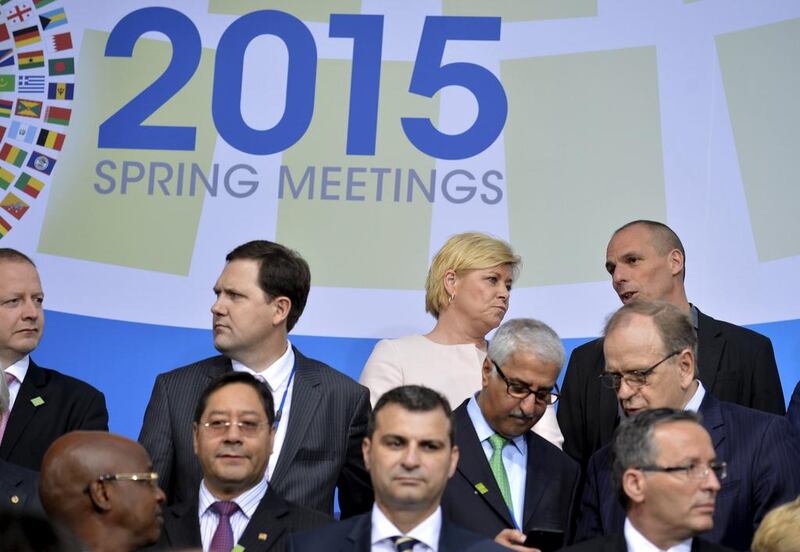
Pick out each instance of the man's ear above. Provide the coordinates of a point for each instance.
(98, 494)
(282, 307)
(366, 445)
(676, 262)
(634, 485)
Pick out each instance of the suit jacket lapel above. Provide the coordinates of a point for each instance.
(33, 386)
(305, 399)
(713, 422)
(266, 526)
(182, 525)
(359, 537)
(473, 466)
(710, 343)
(534, 486)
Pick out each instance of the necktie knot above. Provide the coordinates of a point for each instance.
(224, 507)
(498, 442)
(403, 544)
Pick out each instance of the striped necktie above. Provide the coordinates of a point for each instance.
(404, 544)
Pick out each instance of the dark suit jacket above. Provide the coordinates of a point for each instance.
(68, 405)
(762, 452)
(793, 412)
(274, 518)
(736, 364)
(19, 489)
(322, 449)
(353, 535)
(616, 543)
(550, 486)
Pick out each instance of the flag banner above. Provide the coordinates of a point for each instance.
(41, 162)
(14, 205)
(18, 14)
(50, 139)
(60, 42)
(28, 184)
(7, 83)
(33, 84)
(57, 115)
(6, 178)
(12, 154)
(28, 108)
(61, 66)
(4, 33)
(60, 90)
(6, 57)
(53, 19)
(4, 227)
(5, 107)
(22, 132)
(27, 36)
(30, 60)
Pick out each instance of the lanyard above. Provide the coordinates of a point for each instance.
(279, 413)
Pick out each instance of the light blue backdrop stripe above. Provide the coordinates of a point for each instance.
(123, 358)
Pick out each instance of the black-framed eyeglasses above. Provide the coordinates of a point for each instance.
(521, 391)
(695, 471)
(634, 378)
(146, 477)
(248, 428)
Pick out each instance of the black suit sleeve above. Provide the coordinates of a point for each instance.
(355, 487)
(156, 435)
(767, 393)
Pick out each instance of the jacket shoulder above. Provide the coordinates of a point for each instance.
(77, 386)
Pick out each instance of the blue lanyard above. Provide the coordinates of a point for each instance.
(279, 413)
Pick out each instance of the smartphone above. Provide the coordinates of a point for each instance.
(546, 540)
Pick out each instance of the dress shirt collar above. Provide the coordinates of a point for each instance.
(247, 501)
(638, 543)
(694, 403)
(484, 430)
(20, 368)
(276, 374)
(427, 532)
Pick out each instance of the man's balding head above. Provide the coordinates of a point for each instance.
(98, 484)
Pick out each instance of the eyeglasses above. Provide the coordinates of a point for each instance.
(520, 391)
(145, 477)
(634, 378)
(695, 471)
(248, 428)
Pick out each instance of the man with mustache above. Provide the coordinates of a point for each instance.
(233, 433)
(646, 261)
(667, 476)
(103, 488)
(650, 351)
(510, 480)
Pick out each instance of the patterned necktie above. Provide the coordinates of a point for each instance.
(499, 470)
(404, 544)
(4, 418)
(222, 541)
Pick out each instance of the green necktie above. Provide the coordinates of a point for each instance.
(499, 470)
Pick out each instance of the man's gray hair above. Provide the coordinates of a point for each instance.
(528, 336)
(633, 446)
(4, 396)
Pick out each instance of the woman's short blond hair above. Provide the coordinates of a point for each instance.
(779, 530)
(462, 253)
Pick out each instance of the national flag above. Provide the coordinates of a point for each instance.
(33, 84)
(22, 132)
(28, 108)
(42, 3)
(5, 108)
(6, 178)
(60, 90)
(4, 33)
(12, 154)
(6, 57)
(18, 13)
(57, 115)
(41, 162)
(2, 132)
(61, 41)
(30, 185)
(27, 36)
(61, 66)
(14, 205)
(53, 19)
(7, 83)
(4, 227)
(50, 139)
(31, 60)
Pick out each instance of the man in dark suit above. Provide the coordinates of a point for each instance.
(646, 260)
(534, 484)
(102, 487)
(410, 454)
(321, 413)
(233, 434)
(667, 476)
(650, 351)
(793, 412)
(18, 486)
(44, 403)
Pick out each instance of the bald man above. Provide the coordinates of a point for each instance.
(102, 487)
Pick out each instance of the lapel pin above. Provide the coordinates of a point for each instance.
(481, 488)
(237, 548)
(15, 499)
(37, 401)
(262, 536)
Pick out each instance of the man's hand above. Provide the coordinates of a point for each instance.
(513, 539)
